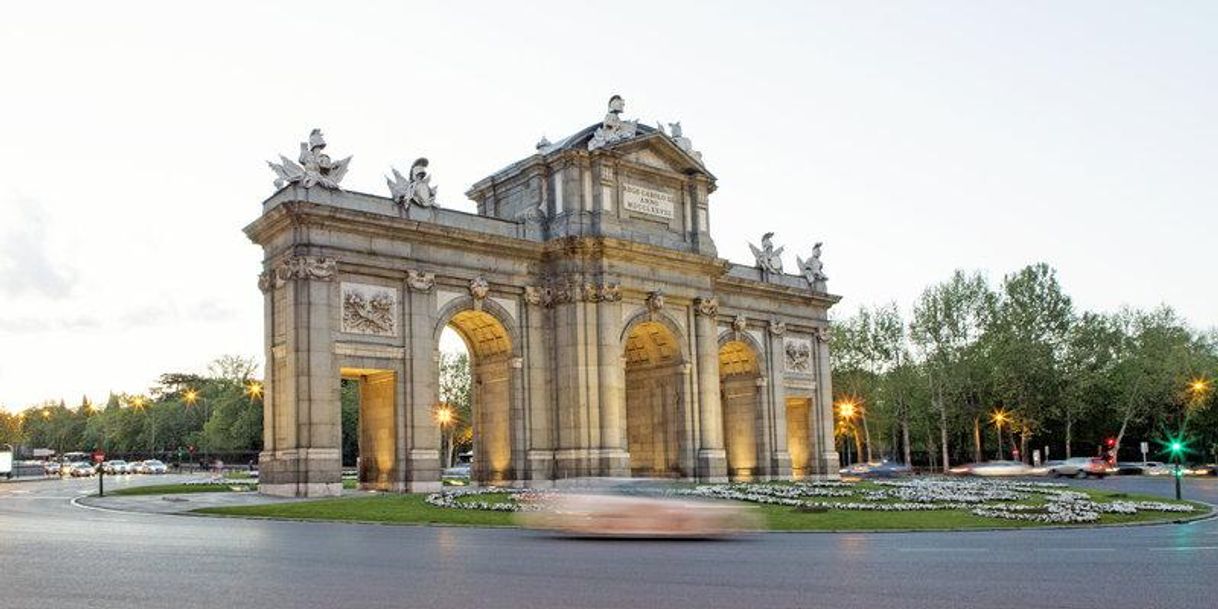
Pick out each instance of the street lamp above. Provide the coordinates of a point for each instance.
(254, 389)
(999, 417)
(846, 410)
(445, 417)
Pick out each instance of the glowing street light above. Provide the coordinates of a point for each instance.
(254, 389)
(190, 396)
(999, 417)
(847, 410)
(445, 416)
(138, 402)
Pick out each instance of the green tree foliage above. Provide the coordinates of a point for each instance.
(1067, 380)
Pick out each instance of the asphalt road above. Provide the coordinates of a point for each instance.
(54, 554)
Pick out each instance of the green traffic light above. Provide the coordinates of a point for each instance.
(1177, 446)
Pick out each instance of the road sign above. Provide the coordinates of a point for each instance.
(1145, 449)
(99, 456)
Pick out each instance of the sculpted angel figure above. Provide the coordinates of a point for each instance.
(768, 258)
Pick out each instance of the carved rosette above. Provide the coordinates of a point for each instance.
(421, 281)
(739, 323)
(777, 327)
(317, 268)
(708, 307)
(655, 301)
(479, 288)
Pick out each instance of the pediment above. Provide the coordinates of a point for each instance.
(657, 151)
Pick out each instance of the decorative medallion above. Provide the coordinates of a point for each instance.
(532, 294)
(369, 309)
(479, 288)
(655, 301)
(821, 334)
(317, 268)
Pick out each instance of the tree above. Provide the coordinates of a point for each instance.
(948, 321)
(1027, 338)
(455, 382)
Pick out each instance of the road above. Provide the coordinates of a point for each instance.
(54, 554)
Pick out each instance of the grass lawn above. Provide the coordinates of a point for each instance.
(173, 489)
(390, 508)
(411, 509)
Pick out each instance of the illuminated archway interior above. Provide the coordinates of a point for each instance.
(654, 394)
(490, 350)
(739, 374)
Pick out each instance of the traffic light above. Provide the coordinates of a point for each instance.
(1110, 442)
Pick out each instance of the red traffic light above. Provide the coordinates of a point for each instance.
(1110, 442)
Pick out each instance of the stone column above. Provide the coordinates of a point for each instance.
(611, 383)
(829, 463)
(780, 457)
(421, 467)
(306, 460)
(539, 453)
(712, 458)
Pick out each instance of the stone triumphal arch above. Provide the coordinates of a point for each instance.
(606, 336)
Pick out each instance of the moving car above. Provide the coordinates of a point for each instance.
(1081, 467)
(1143, 468)
(52, 468)
(1201, 470)
(992, 469)
(637, 508)
(882, 469)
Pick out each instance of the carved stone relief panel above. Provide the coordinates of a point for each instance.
(369, 309)
(797, 355)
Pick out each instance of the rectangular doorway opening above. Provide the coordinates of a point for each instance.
(368, 438)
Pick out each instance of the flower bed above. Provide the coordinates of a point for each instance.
(1016, 500)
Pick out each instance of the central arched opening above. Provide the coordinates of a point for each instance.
(654, 392)
(489, 349)
(739, 375)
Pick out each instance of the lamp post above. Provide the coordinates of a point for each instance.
(191, 396)
(999, 417)
(445, 417)
(846, 410)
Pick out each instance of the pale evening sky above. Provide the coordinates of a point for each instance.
(913, 138)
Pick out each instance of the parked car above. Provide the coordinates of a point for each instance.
(992, 469)
(1081, 467)
(153, 466)
(81, 469)
(115, 467)
(52, 468)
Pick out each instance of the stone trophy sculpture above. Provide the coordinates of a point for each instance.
(769, 259)
(314, 168)
(813, 269)
(415, 190)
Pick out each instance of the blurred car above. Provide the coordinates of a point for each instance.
(81, 469)
(153, 466)
(882, 469)
(1142, 468)
(1081, 467)
(135, 467)
(52, 468)
(115, 467)
(457, 475)
(1043, 468)
(1201, 470)
(992, 469)
(637, 508)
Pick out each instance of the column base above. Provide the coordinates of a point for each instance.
(712, 465)
(302, 472)
(829, 466)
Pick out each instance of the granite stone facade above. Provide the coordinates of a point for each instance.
(607, 337)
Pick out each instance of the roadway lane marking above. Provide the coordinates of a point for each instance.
(1183, 548)
(943, 549)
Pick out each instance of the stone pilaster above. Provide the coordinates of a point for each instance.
(829, 462)
(712, 458)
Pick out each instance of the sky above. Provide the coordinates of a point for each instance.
(913, 138)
